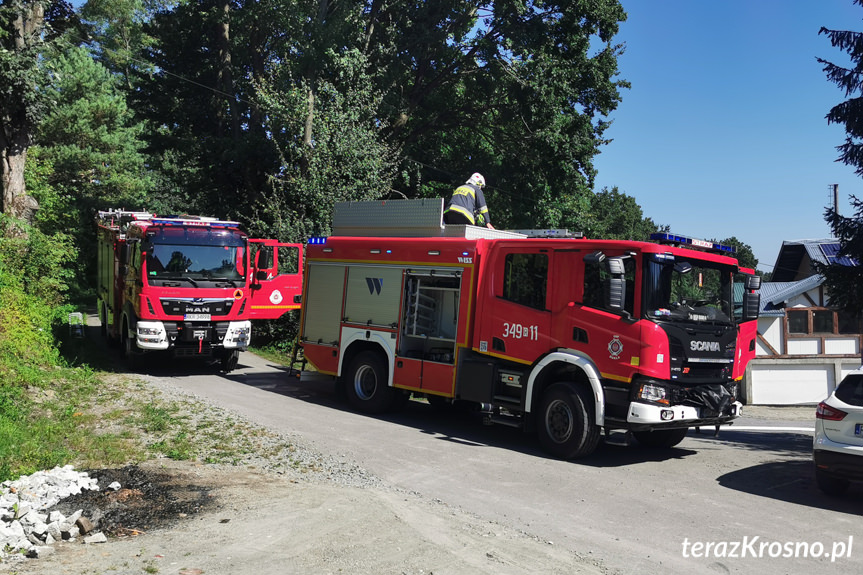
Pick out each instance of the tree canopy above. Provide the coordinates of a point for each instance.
(269, 111)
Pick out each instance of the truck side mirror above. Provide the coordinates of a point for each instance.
(616, 284)
(753, 283)
(751, 305)
(596, 257)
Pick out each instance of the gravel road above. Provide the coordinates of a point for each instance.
(287, 508)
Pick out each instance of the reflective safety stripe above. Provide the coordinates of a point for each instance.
(462, 211)
(465, 191)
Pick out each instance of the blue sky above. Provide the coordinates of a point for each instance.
(723, 132)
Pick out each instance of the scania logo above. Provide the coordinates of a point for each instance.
(695, 345)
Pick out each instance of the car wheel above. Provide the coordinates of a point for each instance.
(829, 484)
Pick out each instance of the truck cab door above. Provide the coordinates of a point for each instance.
(276, 278)
(514, 322)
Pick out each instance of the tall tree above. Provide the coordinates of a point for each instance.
(516, 89)
(845, 282)
(745, 256)
(615, 215)
(21, 26)
(117, 26)
(87, 153)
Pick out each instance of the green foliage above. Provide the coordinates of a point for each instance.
(88, 156)
(615, 215)
(517, 90)
(31, 366)
(845, 283)
(89, 137)
(349, 161)
(745, 256)
(37, 263)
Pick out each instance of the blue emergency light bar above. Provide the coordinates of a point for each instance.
(318, 241)
(686, 241)
(199, 221)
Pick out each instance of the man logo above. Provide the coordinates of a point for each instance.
(375, 285)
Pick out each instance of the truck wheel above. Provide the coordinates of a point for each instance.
(830, 485)
(130, 348)
(103, 321)
(366, 383)
(103, 317)
(663, 438)
(566, 421)
(229, 361)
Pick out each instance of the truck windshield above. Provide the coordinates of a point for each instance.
(196, 254)
(688, 290)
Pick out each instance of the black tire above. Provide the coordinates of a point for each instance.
(660, 438)
(829, 484)
(229, 360)
(113, 340)
(566, 421)
(129, 348)
(103, 321)
(366, 383)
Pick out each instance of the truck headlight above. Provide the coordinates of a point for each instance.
(653, 393)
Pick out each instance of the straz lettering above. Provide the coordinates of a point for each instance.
(519, 331)
(704, 345)
(463, 260)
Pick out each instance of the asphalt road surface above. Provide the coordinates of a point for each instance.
(744, 501)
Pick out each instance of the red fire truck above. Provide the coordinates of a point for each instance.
(189, 284)
(565, 336)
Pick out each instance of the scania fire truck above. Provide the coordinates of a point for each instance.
(189, 285)
(541, 329)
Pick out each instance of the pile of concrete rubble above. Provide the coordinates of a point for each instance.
(26, 525)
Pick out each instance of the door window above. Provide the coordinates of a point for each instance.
(526, 279)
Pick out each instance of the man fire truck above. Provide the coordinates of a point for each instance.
(189, 284)
(564, 336)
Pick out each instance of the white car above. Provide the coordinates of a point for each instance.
(838, 444)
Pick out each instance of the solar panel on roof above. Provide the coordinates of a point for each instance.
(831, 252)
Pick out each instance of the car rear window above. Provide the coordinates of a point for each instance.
(850, 390)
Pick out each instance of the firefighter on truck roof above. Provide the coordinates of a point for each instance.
(467, 204)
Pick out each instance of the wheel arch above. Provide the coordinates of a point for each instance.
(566, 365)
(353, 344)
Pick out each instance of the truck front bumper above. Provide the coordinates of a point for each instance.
(677, 415)
(238, 334)
(151, 335)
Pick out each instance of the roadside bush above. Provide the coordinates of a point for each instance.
(40, 264)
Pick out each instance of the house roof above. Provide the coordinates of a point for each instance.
(795, 253)
(774, 294)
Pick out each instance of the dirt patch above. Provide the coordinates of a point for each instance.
(146, 499)
(209, 519)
